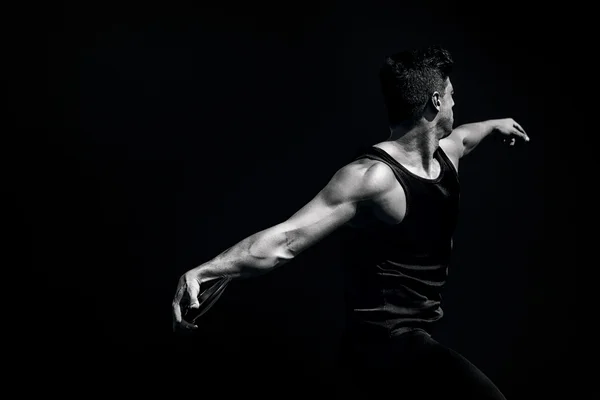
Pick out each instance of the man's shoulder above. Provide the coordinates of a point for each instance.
(366, 177)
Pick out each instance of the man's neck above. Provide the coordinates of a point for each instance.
(416, 145)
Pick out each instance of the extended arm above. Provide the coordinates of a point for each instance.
(466, 137)
(261, 252)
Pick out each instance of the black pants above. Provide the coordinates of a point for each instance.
(412, 366)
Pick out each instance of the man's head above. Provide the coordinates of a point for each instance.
(416, 86)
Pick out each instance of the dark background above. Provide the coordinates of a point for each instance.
(149, 138)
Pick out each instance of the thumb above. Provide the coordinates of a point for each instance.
(193, 288)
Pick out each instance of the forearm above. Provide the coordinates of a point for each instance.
(473, 133)
(253, 256)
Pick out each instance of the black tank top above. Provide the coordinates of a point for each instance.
(396, 272)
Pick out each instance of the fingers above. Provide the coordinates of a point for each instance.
(519, 131)
(182, 288)
(187, 325)
(177, 300)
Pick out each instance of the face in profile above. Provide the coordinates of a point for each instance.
(446, 115)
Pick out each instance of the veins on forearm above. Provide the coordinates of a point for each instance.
(227, 256)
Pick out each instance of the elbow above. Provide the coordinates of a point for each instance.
(270, 250)
(290, 247)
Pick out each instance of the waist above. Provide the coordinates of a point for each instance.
(386, 312)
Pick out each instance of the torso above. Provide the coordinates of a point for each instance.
(397, 248)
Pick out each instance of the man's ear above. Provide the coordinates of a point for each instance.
(436, 100)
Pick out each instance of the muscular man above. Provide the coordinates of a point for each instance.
(397, 204)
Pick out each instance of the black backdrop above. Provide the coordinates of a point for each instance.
(151, 137)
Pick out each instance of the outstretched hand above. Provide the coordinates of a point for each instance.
(511, 131)
(188, 288)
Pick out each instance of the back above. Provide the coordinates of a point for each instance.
(396, 272)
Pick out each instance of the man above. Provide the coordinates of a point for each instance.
(398, 204)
